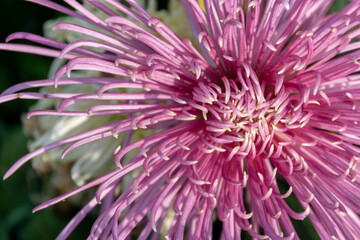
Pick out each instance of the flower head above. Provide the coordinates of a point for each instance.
(268, 97)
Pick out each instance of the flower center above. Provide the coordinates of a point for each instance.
(242, 115)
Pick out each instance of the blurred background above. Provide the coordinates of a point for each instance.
(23, 191)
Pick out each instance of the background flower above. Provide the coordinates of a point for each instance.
(17, 221)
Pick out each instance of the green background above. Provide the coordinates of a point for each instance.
(22, 191)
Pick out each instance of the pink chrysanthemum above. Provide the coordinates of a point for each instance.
(268, 97)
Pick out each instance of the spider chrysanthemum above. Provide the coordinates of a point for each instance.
(267, 97)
